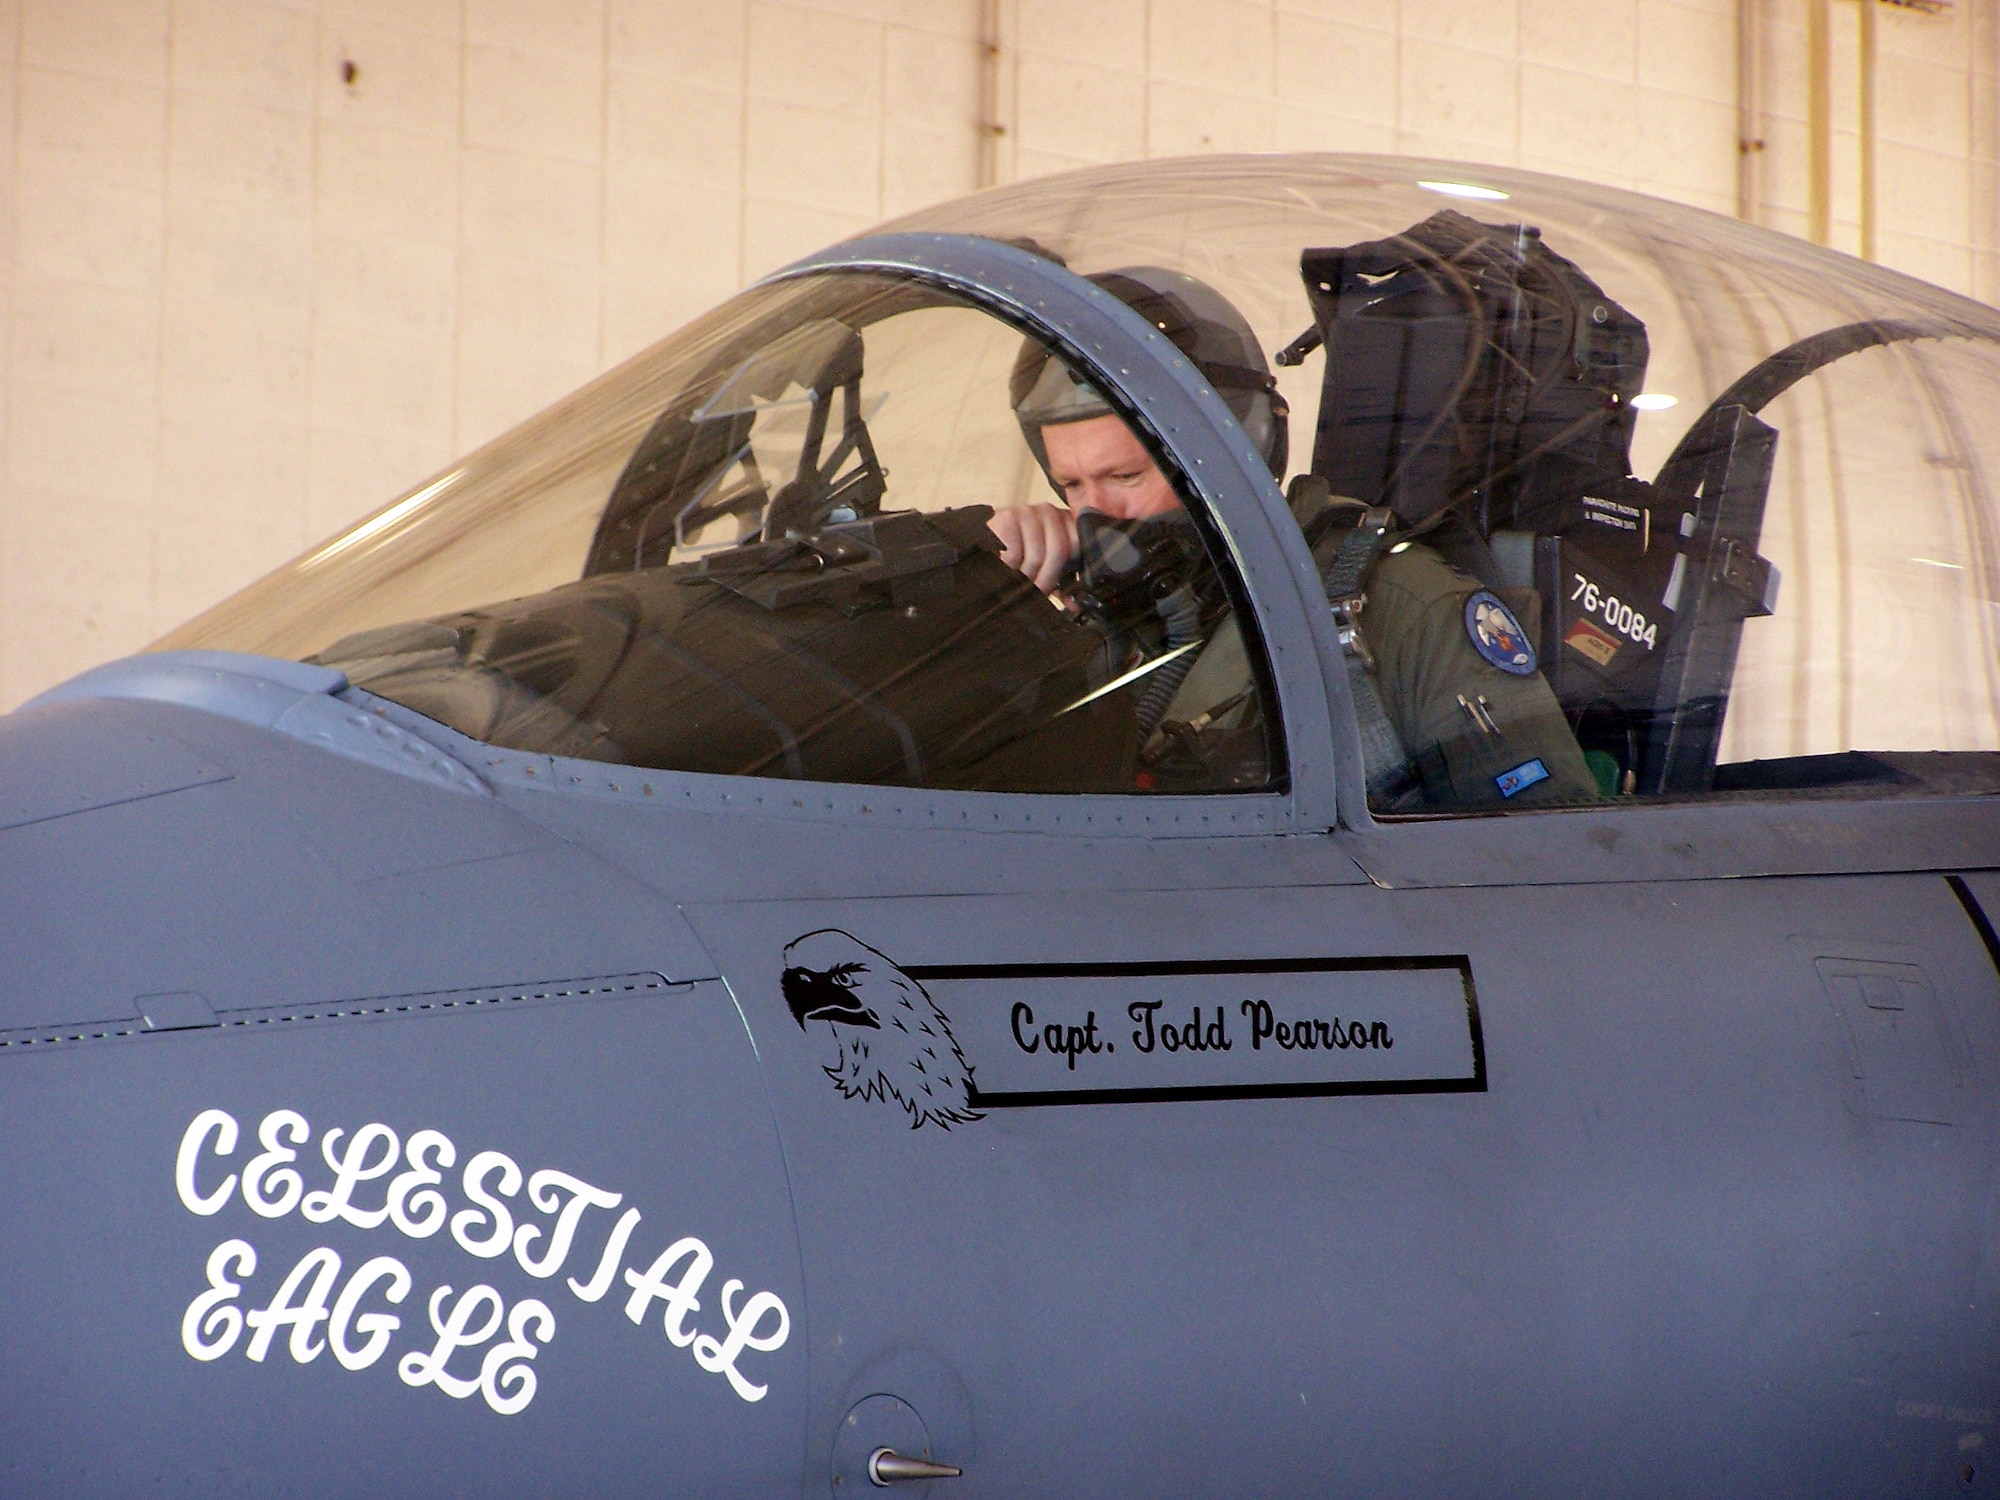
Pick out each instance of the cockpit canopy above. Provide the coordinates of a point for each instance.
(1739, 489)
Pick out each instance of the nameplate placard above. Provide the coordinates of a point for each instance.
(1037, 1034)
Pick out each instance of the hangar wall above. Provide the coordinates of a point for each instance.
(264, 264)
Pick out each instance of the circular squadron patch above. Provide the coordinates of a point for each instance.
(1497, 635)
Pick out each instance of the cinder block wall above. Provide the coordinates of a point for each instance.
(264, 264)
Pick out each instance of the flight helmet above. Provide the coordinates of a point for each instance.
(1201, 323)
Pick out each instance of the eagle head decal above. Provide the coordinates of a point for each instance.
(894, 1041)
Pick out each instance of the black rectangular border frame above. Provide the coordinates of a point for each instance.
(1020, 1099)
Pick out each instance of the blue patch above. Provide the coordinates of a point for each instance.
(1498, 636)
(1521, 777)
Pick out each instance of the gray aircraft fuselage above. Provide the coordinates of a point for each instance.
(388, 1113)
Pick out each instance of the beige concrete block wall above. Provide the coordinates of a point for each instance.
(264, 264)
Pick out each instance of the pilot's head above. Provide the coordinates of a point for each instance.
(1092, 458)
(1096, 462)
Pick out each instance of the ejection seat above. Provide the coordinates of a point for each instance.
(1481, 386)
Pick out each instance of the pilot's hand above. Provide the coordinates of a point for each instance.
(1038, 540)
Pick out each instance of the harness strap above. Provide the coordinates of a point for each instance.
(1382, 750)
(1356, 554)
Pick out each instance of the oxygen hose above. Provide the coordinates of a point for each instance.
(1181, 615)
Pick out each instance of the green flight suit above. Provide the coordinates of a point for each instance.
(1465, 723)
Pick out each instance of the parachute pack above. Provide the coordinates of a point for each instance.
(1468, 364)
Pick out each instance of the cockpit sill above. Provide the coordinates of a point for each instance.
(1670, 840)
(1743, 834)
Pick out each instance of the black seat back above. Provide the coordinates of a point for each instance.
(1468, 364)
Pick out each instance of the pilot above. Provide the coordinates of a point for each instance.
(1453, 710)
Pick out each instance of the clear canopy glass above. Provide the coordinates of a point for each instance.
(798, 572)
(1862, 650)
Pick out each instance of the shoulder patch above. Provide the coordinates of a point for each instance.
(1497, 635)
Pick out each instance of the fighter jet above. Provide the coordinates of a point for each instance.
(1241, 827)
